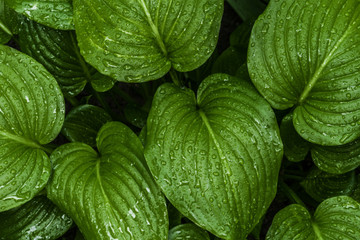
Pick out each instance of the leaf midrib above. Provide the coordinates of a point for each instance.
(316, 230)
(318, 72)
(154, 28)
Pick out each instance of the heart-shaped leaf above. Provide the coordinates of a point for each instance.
(306, 55)
(36, 219)
(188, 231)
(335, 218)
(58, 51)
(31, 115)
(215, 156)
(56, 14)
(83, 123)
(322, 185)
(138, 41)
(110, 194)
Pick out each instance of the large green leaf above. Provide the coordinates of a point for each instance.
(215, 156)
(31, 115)
(322, 185)
(140, 40)
(57, 14)
(110, 194)
(58, 51)
(306, 55)
(335, 218)
(36, 219)
(188, 231)
(83, 123)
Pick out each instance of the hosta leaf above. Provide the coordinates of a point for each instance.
(8, 23)
(57, 14)
(215, 156)
(188, 231)
(31, 115)
(306, 55)
(337, 159)
(295, 147)
(138, 41)
(83, 123)
(335, 218)
(110, 194)
(58, 51)
(36, 219)
(322, 185)
(247, 9)
(101, 83)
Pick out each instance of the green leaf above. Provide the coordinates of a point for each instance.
(138, 41)
(247, 9)
(31, 115)
(337, 159)
(36, 219)
(188, 231)
(306, 55)
(110, 194)
(135, 115)
(229, 61)
(215, 156)
(56, 14)
(58, 51)
(101, 83)
(8, 23)
(83, 123)
(322, 185)
(335, 218)
(295, 147)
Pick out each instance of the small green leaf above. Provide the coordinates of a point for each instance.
(335, 218)
(110, 194)
(83, 123)
(229, 61)
(215, 156)
(188, 231)
(101, 83)
(138, 41)
(322, 185)
(36, 219)
(337, 159)
(295, 147)
(306, 55)
(31, 115)
(56, 14)
(58, 51)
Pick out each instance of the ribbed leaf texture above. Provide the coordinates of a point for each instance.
(306, 55)
(140, 40)
(215, 156)
(188, 231)
(335, 218)
(31, 115)
(110, 194)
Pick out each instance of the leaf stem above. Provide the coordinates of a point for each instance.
(5, 29)
(290, 193)
(174, 77)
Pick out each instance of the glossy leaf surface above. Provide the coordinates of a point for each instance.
(188, 231)
(306, 55)
(215, 156)
(335, 218)
(140, 40)
(57, 14)
(31, 115)
(322, 185)
(110, 194)
(83, 123)
(36, 219)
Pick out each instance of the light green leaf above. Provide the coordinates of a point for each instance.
(337, 159)
(58, 51)
(188, 231)
(306, 55)
(36, 219)
(138, 41)
(56, 14)
(110, 194)
(295, 147)
(83, 123)
(322, 185)
(335, 218)
(101, 83)
(31, 115)
(215, 156)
